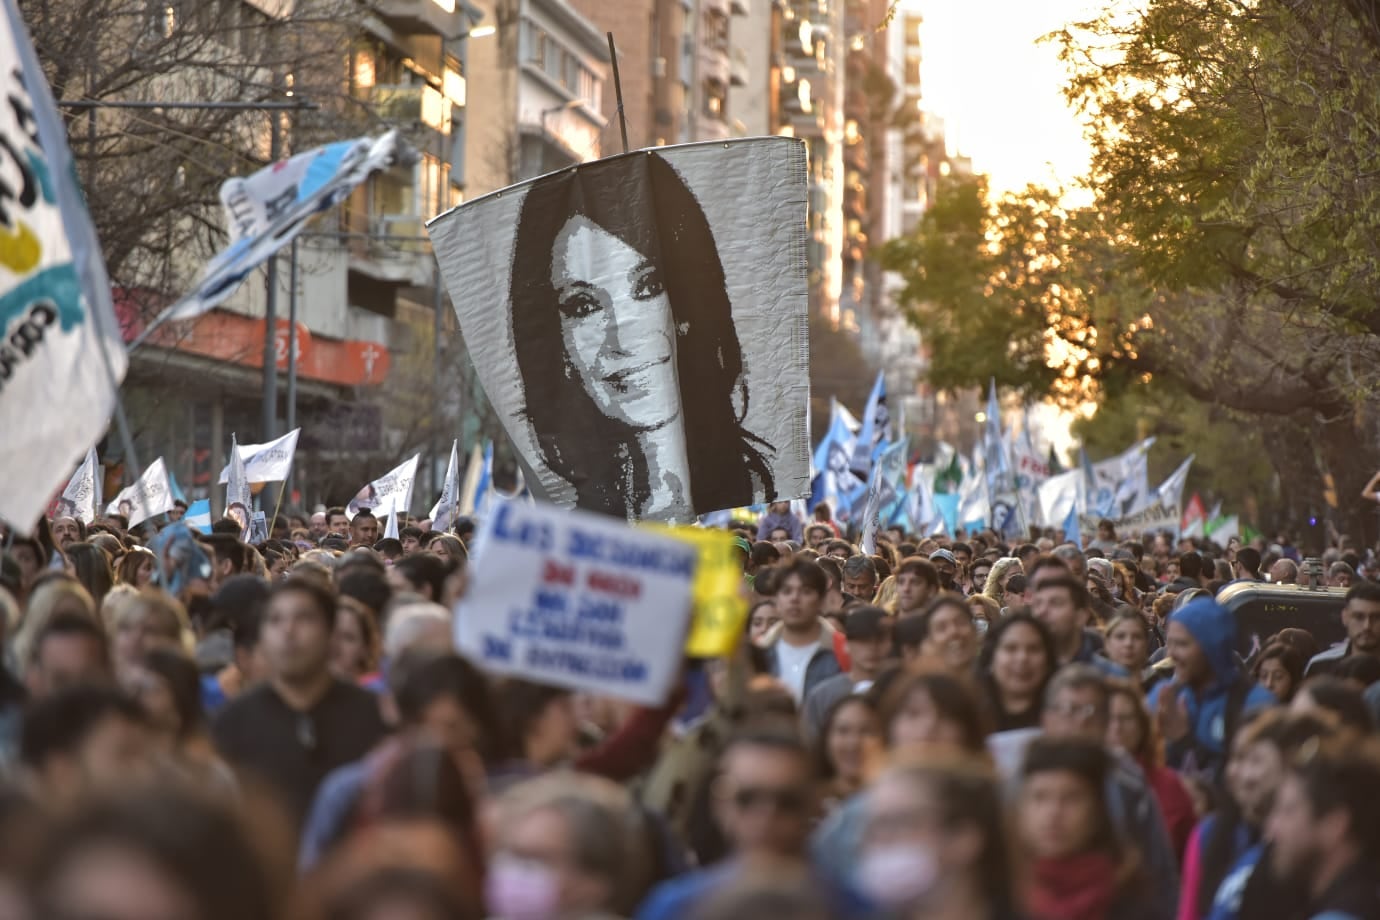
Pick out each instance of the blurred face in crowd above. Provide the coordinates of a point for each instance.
(1124, 724)
(295, 638)
(156, 697)
(1076, 712)
(1254, 773)
(537, 854)
(1127, 646)
(919, 721)
(318, 526)
(816, 537)
(28, 562)
(364, 531)
(868, 655)
(66, 661)
(798, 603)
(1019, 662)
(964, 557)
(862, 586)
(1273, 676)
(66, 531)
(107, 880)
(144, 574)
(763, 800)
(1057, 814)
(980, 572)
(552, 736)
(410, 545)
(1362, 619)
(350, 653)
(907, 826)
(1299, 836)
(338, 523)
(112, 755)
(136, 634)
(853, 728)
(952, 637)
(948, 572)
(912, 592)
(1055, 608)
(1190, 662)
(763, 618)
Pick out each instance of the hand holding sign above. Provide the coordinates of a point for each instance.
(577, 600)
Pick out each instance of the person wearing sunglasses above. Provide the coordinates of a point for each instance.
(764, 803)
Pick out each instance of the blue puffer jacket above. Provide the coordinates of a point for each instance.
(1204, 749)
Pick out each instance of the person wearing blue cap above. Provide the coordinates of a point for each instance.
(1199, 712)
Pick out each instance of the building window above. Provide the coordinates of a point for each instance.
(715, 99)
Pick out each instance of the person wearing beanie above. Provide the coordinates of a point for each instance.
(1199, 711)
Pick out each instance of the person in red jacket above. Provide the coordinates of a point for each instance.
(1132, 730)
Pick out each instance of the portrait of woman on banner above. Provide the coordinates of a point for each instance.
(632, 371)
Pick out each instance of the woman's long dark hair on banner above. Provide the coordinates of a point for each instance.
(640, 200)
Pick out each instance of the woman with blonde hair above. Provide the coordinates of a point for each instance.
(886, 594)
(153, 619)
(1002, 569)
(52, 594)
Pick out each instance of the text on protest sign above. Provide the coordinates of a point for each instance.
(577, 600)
(1159, 516)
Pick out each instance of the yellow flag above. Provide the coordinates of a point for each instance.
(720, 609)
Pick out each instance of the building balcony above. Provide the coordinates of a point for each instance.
(740, 7)
(715, 65)
(409, 106)
(423, 17)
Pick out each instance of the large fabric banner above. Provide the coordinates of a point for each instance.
(267, 210)
(1160, 515)
(640, 325)
(577, 600)
(271, 462)
(149, 497)
(57, 389)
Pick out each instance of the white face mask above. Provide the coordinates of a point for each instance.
(897, 874)
(521, 889)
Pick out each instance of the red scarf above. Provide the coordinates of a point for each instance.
(1075, 888)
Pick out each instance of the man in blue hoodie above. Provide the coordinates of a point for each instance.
(1199, 712)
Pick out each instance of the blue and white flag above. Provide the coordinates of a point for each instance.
(834, 480)
(198, 516)
(974, 508)
(1117, 484)
(63, 358)
(392, 490)
(886, 493)
(1004, 503)
(850, 420)
(921, 512)
(1058, 496)
(267, 210)
(475, 481)
(876, 429)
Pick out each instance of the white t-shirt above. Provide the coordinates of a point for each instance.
(794, 660)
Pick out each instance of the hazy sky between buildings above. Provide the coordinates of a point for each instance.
(999, 90)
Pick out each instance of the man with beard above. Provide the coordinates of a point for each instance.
(946, 563)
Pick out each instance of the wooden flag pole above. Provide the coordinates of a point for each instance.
(618, 93)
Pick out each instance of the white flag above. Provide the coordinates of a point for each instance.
(1058, 497)
(57, 389)
(267, 210)
(239, 498)
(1171, 491)
(391, 491)
(82, 497)
(391, 528)
(271, 462)
(447, 506)
(150, 496)
(850, 421)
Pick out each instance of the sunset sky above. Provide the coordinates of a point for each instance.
(998, 91)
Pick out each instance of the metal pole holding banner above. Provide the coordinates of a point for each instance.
(618, 92)
(438, 327)
(292, 351)
(270, 381)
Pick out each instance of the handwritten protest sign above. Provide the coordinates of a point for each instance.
(1159, 516)
(719, 605)
(578, 600)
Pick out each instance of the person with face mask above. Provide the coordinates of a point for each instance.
(946, 563)
(565, 850)
(934, 844)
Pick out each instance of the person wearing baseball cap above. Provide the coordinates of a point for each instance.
(947, 564)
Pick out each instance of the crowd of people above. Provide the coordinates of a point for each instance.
(195, 728)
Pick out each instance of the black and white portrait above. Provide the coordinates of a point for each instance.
(656, 317)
